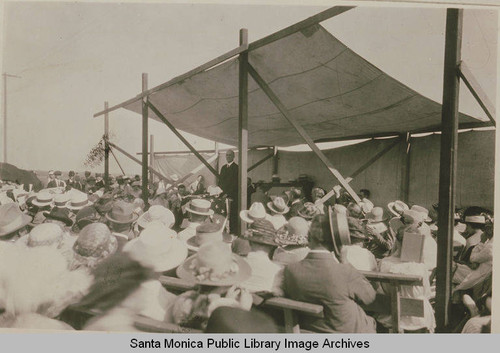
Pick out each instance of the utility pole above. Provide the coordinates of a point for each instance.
(5, 75)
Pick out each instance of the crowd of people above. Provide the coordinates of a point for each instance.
(93, 245)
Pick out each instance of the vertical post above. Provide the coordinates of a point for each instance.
(448, 165)
(145, 110)
(406, 169)
(217, 166)
(243, 129)
(151, 157)
(275, 160)
(106, 146)
(4, 118)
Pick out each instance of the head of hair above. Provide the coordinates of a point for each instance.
(320, 233)
(365, 193)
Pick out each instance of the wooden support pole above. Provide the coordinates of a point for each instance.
(281, 107)
(478, 93)
(448, 165)
(125, 153)
(242, 129)
(217, 161)
(145, 111)
(256, 164)
(106, 148)
(275, 161)
(182, 138)
(151, 157)
(116, 160)
(405, 187)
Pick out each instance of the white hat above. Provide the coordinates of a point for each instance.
(424, 211)
(156, 248)
(214, 190)
(61, 200)
(256, 211)
(397, 207)
(475, 219)
(43, 198)
(200, 206)
(78, 202)
(156, 213)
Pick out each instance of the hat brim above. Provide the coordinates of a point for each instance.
(67, 221)
(244, 272)
(193, 244)
(270, 205)
(26, 221)
(390, 207)
(143, 222)
(134, 218)
(78, 208)
(166, 261)
(339, 228)
(208, 213)
(41, 204)
(245, 218)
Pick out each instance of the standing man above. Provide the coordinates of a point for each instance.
(228, 182)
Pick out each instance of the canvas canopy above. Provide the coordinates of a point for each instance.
(330, 90)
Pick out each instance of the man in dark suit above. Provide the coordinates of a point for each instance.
(340, 288)
(228, 182)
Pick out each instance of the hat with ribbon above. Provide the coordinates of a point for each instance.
(78, 201)
(200, 206)
(376, 215)
(43, 198)
(278, 205)
(122, 213)
(256, 211)
(12, 219)
(480, 219)
(424, 211)
(61, 200)
(154, 248)
(156, 213)
(215, 265)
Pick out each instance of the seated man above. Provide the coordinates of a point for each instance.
(339, 288)
(380, 240)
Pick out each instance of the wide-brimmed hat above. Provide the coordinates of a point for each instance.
(278, 205)
(122, 213)
(376, 215)
(424, 211)
(308, 211)
(12, 219)
(215, 265)
(480, 219)
(61, 200)
(78, 201)
(397, 207)
(256, 211)
(156, 213)
(45, 234)
(43, 198)
(155, 249)
(214, 190)
(59, 214)
(200, 206)
(412, 216)
(94, 243)
(339, 228)
(205, 233)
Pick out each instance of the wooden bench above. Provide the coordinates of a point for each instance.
(289, 307)
(393, 303)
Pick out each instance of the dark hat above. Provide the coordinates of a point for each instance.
(58, 172)
(234, 320)
(59, 214)
(71, 173)
(241, 247)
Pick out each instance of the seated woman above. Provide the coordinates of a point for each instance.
(339, 288)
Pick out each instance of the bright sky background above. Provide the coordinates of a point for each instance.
(74, 56)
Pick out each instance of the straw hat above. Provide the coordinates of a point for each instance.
(122, 213)
(43, 198)
(376, 215)
(412, 216)
(200, 206)
(278, 206)
(12, 219)
(156, 213)
(155, 249)
(61, 200)
(308, 211)
(205, 233)
(339, 228)
(45, 234)
(78, 201)
(475, 219)
(424, 211)
(397, 207)
(256, 211)
(214, 190)
(94, 243)
(215, 265)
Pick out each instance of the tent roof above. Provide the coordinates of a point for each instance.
(332, 92)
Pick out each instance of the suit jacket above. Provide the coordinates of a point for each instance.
(319, 279)
(228, 180)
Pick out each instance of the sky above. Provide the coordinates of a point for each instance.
(71, 57)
